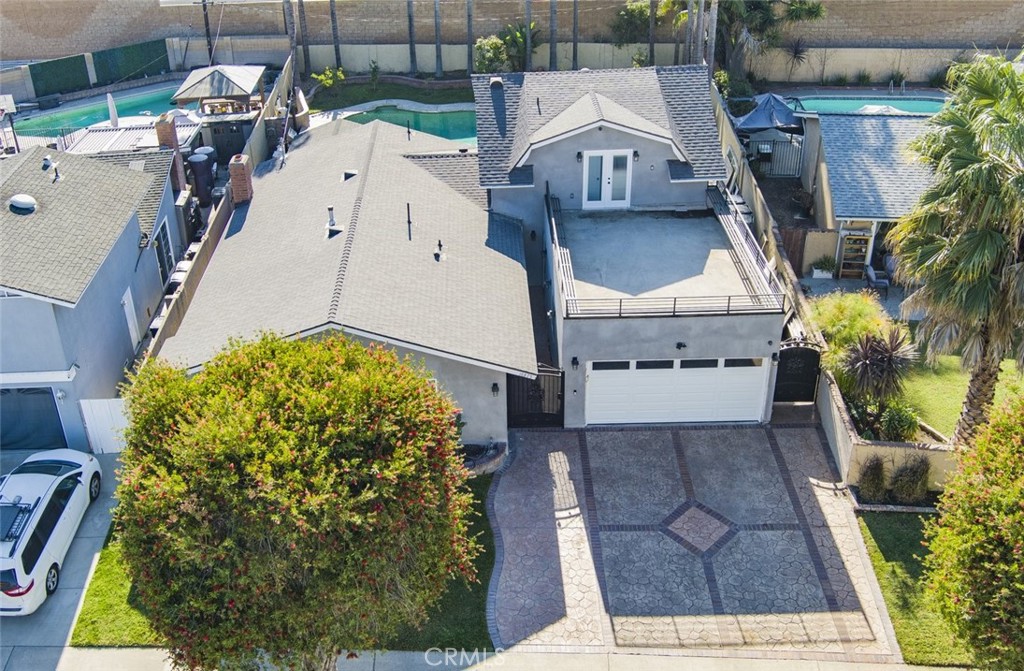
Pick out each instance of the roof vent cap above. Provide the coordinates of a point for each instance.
(497, 81)
(584, 69)
(23, 203)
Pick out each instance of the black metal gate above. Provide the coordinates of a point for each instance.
(797, 378)
(779, 158)
(537, 402)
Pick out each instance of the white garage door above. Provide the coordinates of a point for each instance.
(676, 390)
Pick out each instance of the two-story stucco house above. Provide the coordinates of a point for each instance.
(661, 308)
(85, 248)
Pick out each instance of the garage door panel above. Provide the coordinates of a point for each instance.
(675, 395)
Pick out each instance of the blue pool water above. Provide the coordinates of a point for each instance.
(459, 125)
(839, 104)
(81, 116)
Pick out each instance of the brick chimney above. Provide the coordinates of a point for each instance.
(167, 136)
(240, 174)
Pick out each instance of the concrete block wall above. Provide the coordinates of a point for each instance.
(28, 31)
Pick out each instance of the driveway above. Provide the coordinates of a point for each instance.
(36, 642)
(712, 540)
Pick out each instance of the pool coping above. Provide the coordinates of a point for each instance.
(873, 92)
(327, 116)
(99, 98)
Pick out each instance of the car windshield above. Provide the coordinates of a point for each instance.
(52, 467)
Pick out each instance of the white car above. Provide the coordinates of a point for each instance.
(42, 502)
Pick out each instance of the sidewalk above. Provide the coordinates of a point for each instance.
(143, 659)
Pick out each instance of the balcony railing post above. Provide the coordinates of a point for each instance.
(728, 305)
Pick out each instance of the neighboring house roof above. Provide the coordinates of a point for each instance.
(872, 173)
(276, 268)
(672, 103)
(55, 251)
(129, 138)
(156, 163)
(220, 81)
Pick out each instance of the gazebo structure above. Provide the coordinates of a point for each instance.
(229, 99)
(223, 89)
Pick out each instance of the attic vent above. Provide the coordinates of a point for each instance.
(349, 174)
(584, 69)
(497, 81)
(137, 166)
(22, 203)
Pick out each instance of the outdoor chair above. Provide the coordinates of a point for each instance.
(877, 280)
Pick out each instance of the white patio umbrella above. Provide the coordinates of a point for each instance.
(113, 111)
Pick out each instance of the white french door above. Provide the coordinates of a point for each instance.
(607, 177)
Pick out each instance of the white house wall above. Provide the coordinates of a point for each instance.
(655, 338)
(29, 339)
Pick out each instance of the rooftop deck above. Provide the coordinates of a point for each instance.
(632, 263)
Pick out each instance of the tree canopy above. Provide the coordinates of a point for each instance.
(976, 564)
(291, 500)
(743, 24)
(963, 243)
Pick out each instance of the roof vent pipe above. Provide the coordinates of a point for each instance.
(497, 81)
(332, 225)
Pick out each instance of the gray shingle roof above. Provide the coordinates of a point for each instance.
(156, 163)
(55, 251)
(531, 107)
(872, 173)
(276, 269)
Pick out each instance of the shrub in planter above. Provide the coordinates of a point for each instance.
(872, 487)
(899, 423)
(863, 77)
(824, 267)
(844, 317)
(909, 481)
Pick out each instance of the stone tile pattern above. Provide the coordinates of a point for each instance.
(650, 538)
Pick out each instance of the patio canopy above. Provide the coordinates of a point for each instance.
(772, 111)
(220, 81)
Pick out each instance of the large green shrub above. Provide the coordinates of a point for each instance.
(976, 563)
(844, 318)
(632, 23)
(872, 485)
(909, 481)
(513, 36)
(899, 422)
(489, 55)
(291, 500)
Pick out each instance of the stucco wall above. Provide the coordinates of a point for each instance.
(485, 415)
(29, 339)
(656, 338)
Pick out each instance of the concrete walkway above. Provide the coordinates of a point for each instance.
(715, 541)
(144, 659)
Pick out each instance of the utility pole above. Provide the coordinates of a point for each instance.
(209, 41)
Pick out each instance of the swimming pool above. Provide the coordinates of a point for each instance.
(842, 104)
(455, 125)
(80, 116)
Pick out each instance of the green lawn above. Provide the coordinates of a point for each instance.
(460, 619)
(111, 618)
(938, 392)
(346, 95)
(893, 540)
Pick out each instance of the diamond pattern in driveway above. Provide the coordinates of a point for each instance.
(686, 539)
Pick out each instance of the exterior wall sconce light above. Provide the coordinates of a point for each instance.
(495, 390)
(61, 394)
(680, 345)
(636, 156)
(579, 157)
(575, 363)
(775, 358)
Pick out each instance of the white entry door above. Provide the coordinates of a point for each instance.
(606, 179)
(129, 315)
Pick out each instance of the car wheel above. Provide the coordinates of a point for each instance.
(52, 579)
(94, 487)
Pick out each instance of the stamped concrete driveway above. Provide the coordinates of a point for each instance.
(712, 541)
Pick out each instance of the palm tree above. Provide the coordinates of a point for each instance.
(469, 37)
(334, 34)
(528, 64)
(758, 24)
(438, 65)
(963, 243)
(305, 37)
(575, 34)
(653, 17)
(413, 69)
(553, 39)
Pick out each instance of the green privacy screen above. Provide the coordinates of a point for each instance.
(59, 75)
(130, 62)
